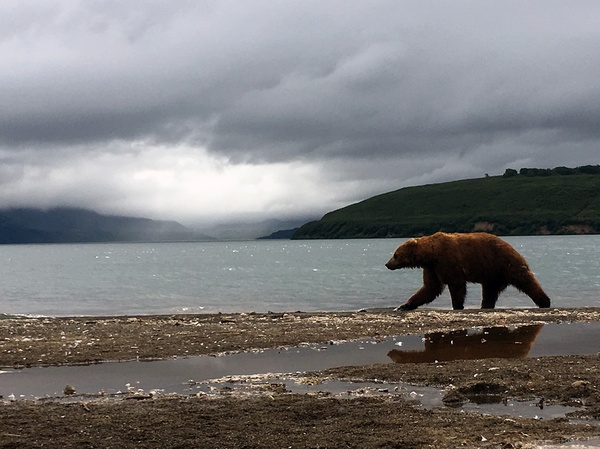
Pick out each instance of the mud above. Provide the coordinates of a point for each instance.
(279, 418)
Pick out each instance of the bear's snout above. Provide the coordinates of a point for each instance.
(390, 265)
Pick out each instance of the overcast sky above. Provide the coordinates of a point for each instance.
(208, 111)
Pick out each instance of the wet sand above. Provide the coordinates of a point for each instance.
(277, 418)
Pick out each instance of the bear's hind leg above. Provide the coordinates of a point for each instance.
(531, 287)
(458, 292)
(490, 293)
(432, 288)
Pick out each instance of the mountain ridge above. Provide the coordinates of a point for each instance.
(78, 225)
(254, 230)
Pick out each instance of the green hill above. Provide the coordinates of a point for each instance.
(533, 201)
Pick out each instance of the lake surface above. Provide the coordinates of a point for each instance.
(261, 276)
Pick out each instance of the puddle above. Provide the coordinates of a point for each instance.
(588, 444)
(193, 375)
(175, 375)
(472, 344)
(503, 342)
(426, 397)
(524, 409)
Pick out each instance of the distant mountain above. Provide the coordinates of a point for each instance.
(251, 231)
(531, 201)
(72, 225)
(283, 234)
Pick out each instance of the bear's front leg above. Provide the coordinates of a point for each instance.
(432, 288)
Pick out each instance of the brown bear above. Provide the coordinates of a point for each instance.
(455, 259)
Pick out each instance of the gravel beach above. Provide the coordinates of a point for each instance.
(275, 417)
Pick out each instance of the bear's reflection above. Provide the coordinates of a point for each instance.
(493, 342)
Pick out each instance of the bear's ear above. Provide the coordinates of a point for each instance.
(412, 247)
(407, 247)
(411, 242)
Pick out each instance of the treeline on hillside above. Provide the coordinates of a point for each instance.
(558, 171)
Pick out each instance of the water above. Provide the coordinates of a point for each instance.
(326, 275)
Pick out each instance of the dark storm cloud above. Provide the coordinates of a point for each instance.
(292, 79)
(438, 77)
(377, 94)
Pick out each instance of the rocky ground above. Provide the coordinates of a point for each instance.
(278, 418)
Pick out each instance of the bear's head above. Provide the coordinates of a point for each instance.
(405, 256)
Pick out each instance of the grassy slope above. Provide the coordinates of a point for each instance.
(514, 205)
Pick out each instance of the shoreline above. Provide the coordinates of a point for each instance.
(46, 341)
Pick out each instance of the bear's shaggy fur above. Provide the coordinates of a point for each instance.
(455, 259)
